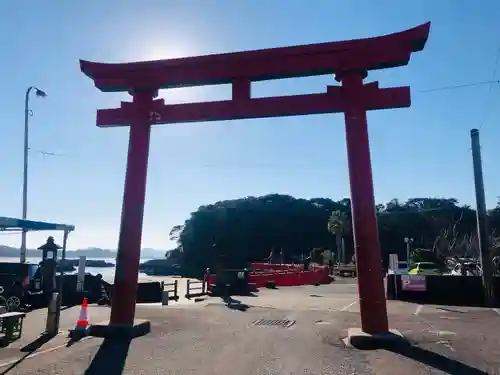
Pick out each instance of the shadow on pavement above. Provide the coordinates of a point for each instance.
(110, 358)
(28, 350)
(235, 304)
(37, 344)
(67, 307)
(438, 361)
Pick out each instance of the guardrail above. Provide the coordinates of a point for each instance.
(195, 288)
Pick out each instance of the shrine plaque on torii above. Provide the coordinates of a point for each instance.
(348, 61)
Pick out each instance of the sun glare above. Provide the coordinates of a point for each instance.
(159, 50)
(160, 53)
(148, 49)
(164, 49)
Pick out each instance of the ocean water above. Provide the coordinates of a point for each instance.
(108, 273)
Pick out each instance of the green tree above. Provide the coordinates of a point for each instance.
(244, 230)
(339, 224)
(175, 232)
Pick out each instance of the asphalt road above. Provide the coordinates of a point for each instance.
(210, 338)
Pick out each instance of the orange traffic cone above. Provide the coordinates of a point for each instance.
(82, 324)
(83, 320)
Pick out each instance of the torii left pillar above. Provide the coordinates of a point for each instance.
(129, 242)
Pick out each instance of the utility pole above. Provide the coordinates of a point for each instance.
(482, 219)
(408, 242)
(342, 246)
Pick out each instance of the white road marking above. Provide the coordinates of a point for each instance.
(349, 305)
(496, 310)
(45, 351)
(443, 333)
(418, 309)
(446, 344)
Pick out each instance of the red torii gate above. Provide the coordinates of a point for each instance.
(349, 61)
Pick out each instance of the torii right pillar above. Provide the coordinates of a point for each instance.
(372, 300)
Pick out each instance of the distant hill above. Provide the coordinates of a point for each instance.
(92, 252)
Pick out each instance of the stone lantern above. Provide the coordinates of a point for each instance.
(49, 249)
(49, 263)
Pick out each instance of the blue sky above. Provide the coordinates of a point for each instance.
(420, 151)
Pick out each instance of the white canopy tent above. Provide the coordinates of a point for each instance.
(13, 224)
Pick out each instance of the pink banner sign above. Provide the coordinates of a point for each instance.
(414, 283)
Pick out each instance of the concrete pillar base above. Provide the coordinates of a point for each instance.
(367, 341)
(121, 331)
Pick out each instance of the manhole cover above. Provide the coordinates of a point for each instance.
(281, 323)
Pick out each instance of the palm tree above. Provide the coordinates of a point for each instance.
(339, 224)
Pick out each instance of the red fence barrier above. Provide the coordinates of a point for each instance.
(276, 267)
(283, 267)
(293, 276)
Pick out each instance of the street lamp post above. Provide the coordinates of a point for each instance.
(27, 113)
(408, 242)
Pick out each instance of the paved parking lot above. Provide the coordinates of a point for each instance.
(210, 338)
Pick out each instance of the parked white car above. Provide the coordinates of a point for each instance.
(467, 269)
(401, 270)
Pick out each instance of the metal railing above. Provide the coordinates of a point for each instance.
(171, 290)
(195, 288)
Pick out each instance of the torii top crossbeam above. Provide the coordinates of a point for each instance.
(241, 68)
(285, 62)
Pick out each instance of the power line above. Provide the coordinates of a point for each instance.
(489, 96)
(442, 88)
(473, 84)
(465, 85)
(44, 153)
